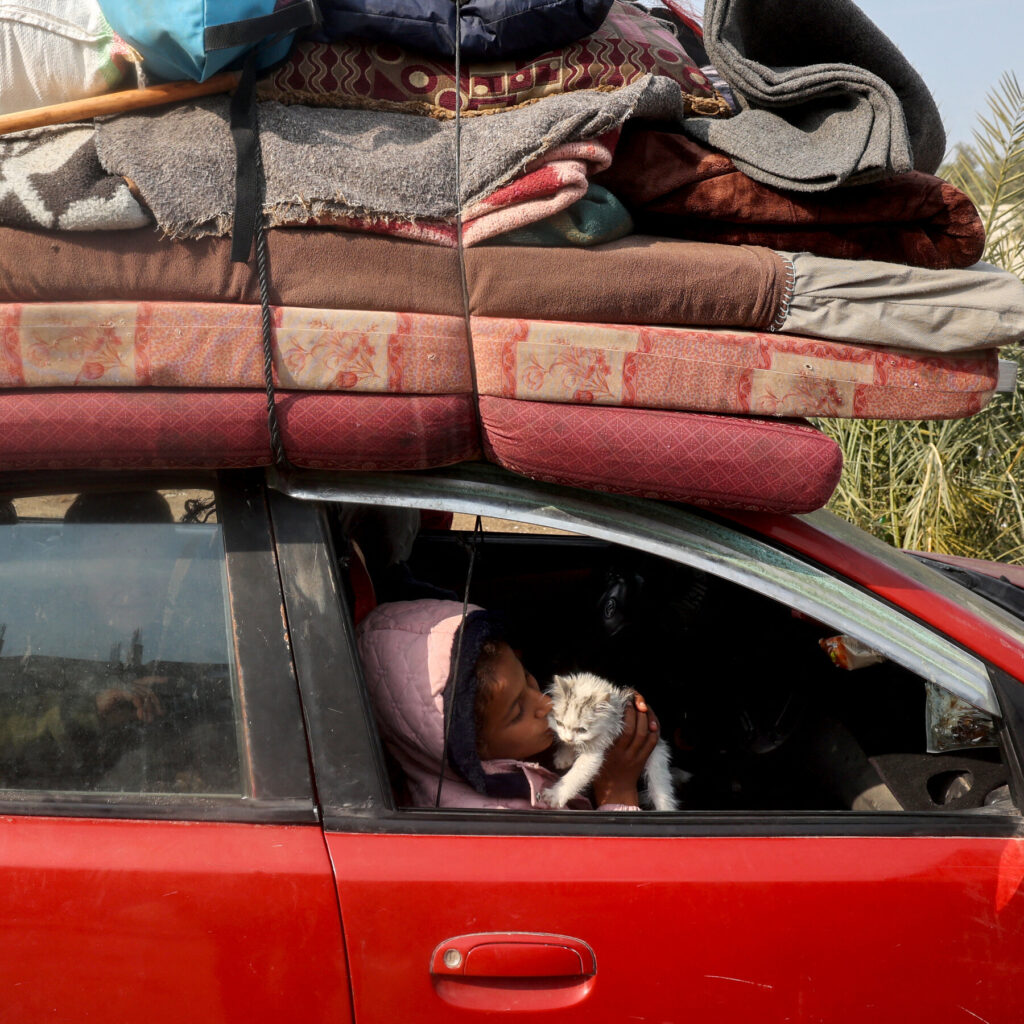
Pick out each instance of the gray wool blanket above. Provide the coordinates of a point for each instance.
(321, 162)
(51, 178)
(826, 99)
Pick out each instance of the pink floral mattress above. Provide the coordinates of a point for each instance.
(217, 345)
(725, 371)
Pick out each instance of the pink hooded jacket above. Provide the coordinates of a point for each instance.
(406, 650)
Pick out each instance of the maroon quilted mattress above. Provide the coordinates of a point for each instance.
(726, 461)
(144, 428)
(720, 461)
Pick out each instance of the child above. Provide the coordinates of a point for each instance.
(498, 725)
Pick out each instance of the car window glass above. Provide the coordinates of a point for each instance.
(764, 708)
(116, 669)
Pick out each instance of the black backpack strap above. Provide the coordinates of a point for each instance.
(248, 31)
(244, 132)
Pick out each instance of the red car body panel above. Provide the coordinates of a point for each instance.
(159, 921)
(726, 930)
(951, 618)
(165, 922)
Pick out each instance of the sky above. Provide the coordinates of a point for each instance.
(959, 49)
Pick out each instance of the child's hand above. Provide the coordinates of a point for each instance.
(624, 763)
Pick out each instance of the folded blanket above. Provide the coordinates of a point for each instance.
(340, 163)
(550, 184)
(51, 178)
(675, 186)
(597, 217)
(826, 97)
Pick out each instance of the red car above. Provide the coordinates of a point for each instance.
(201, 824)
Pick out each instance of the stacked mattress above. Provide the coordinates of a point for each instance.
(525, 321)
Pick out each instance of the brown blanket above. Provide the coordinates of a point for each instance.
(673, 185)
(635, 280)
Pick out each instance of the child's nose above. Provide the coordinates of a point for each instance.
(544, 709)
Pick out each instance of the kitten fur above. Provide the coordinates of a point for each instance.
(586, 716)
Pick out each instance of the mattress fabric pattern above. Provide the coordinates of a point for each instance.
(217, 345)
(719, 461)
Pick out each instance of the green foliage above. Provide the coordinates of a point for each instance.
(955, 487)
(991, 172)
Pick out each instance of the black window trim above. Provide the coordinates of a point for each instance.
(347, 758)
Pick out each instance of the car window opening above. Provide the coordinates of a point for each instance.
(760, 709)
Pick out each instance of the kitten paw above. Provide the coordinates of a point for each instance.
(551, 797)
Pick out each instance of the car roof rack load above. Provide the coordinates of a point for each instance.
(504, 238)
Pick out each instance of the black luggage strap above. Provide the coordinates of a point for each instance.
(248, 187)
(247, 31)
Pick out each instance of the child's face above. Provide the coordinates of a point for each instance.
(515, 721)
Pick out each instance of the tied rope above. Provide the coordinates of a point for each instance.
(449, 711)
(267, 329)
(460, 248)
(248, 229)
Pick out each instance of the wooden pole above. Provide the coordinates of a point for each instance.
(116, 103)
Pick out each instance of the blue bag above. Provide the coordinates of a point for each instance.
(197, 38)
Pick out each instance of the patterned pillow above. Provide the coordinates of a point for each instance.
(358, 73)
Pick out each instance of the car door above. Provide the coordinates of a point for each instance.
(160, 853)
(455, 914)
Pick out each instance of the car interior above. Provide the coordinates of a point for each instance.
(750, 694)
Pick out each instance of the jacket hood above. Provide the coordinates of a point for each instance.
(408, 651)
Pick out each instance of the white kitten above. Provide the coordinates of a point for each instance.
(586, 715)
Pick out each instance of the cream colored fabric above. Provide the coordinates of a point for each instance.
(52, 51)
(906, 307)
